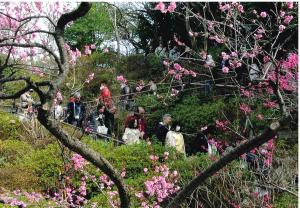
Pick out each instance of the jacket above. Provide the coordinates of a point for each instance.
(175, 139)
(76, 112)
(161, 132)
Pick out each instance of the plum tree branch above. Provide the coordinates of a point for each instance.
(38, 45)
(82, 10)
(267, 135)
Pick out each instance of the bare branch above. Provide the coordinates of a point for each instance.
(83, 8)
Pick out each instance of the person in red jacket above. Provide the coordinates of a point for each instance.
(105, 96)
(138, 115)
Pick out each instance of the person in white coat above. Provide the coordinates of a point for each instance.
(132, 133)
(175, 139)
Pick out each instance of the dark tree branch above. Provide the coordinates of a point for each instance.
(15, 95)
(267, 135)
(86, 152)
(37, 45)
(82, 10)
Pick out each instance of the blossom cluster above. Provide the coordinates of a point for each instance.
(121, 79)
(78, 161)
(222, 124)
(245, 108)
(162, 7)
(177, 71)
(90, 78)
(158, 187)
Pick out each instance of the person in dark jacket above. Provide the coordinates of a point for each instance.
(76, 111)
(201, 143)
(97, 119)
(126, 96)
(163, 128)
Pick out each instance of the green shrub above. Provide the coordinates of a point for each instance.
(9, 126)
(139, 66)
(45, 163)
(16, 177)
(286, 200)
(191, 114)
(10, 150)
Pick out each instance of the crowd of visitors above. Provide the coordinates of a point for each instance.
(102, 120)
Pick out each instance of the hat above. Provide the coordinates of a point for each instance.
(30, 90)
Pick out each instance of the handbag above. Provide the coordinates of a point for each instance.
(102, 129)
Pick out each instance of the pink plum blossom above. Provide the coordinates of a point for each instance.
(172, 7)
(290, 4)
(270, 104)
(123, 173)
(291, 62)
(281, 28)
(177, 67)
(90, 78)
(121, 79)
(38, 5)
(288, 19)
(178, 76)
(78, 161)
(233, 54)
(260, 117)
(93, 46)
(225, 70)
(241, 8)
(171, 72)
(263, 14)
(210, 25)
(161, 7)
(258, 36)
(266, 59)
(221, 124)
(87, 50)
(194, 74)
(246, 93)
(245, 108)
(166, 63)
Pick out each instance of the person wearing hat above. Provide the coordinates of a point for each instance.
(76, 111)
(26, 99)
(163, 128)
